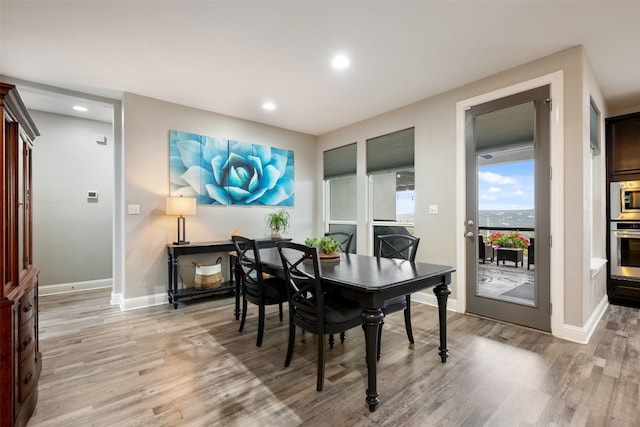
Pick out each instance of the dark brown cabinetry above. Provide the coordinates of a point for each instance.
(623, 146)
(623, 209)
(20, 360)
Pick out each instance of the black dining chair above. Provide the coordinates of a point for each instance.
(310, 308)
(402, 247)
(256, 287)
(343, 238)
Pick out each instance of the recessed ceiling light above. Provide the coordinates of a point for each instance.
(340, 62)
(269, 106)
(80, 108)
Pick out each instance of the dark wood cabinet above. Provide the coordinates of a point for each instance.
(623, 164)
(623, 146)
(20, 359)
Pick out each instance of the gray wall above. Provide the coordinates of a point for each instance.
(72, 235)
(147, 123)
(435, 122)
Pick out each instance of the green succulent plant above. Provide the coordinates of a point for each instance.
(325, 244)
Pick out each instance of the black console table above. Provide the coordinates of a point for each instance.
(175, 251)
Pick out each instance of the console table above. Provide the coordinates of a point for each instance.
(175, 251)
(510, 254)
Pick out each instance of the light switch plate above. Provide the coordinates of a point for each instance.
(433, 209)
(134, 209)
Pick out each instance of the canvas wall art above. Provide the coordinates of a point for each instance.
(225, 172)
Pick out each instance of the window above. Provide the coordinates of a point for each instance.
(341, 188)
(390, 167)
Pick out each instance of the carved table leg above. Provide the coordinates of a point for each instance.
(442, 293)
(372, 317)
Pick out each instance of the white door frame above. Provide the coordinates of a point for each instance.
(555, 80)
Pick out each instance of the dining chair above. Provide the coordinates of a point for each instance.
(343, 238)
(399, 246)
(310, 308)
(255, 287)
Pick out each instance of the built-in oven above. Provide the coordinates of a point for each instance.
(624, 200)
(625, 250)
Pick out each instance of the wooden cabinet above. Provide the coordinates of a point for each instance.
(20, 359)
(623, 146)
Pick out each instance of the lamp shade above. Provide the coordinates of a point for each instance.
(181, 206)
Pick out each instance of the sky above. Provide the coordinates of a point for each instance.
(507, 186)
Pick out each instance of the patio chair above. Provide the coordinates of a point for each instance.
(485, 250)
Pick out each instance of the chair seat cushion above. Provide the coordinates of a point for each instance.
(275, 289)
(340, 310)
(395, 304)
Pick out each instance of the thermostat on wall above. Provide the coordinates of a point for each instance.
(92, 194)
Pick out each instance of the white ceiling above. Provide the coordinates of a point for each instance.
(229, 57)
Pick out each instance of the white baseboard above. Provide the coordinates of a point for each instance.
(580, 335)
(141, 302)
(74, 287)
(583, 334)
(430, 299)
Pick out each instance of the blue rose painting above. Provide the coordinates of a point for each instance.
(223, 172)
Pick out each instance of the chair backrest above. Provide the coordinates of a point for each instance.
(397, 246)
(304, 285)
(248, 266)
(481, 246)
(343, 238)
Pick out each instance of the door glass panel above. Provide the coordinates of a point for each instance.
(506, 208)
(506, 220)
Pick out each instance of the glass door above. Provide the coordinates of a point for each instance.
(507, 163)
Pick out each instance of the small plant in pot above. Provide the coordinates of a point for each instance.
(327, 246)
(278, 222)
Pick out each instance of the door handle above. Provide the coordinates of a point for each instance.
(469, 234)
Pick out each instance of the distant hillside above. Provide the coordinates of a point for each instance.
(507, 218)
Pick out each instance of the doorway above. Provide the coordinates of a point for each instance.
(507, 146)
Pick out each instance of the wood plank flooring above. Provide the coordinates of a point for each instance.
(190, 367)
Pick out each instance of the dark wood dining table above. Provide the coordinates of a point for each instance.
(371, 281)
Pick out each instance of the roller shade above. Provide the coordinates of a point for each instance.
(340, 161)
(509, 126)
(391, 152)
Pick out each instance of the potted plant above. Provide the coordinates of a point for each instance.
(278, 222)
(511, 240)
(327, 246)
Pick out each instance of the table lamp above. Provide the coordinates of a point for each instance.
(181, 206)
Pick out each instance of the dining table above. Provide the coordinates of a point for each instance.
(371, 281)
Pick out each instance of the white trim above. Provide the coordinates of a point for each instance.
(555, 80)
(144, 301)
(583, 334)
(64, 288)
(431, 300)
(597, 264)
(116, 299)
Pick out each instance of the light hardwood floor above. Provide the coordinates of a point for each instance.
(190, 367)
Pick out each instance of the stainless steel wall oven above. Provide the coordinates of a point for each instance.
(625, 250)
